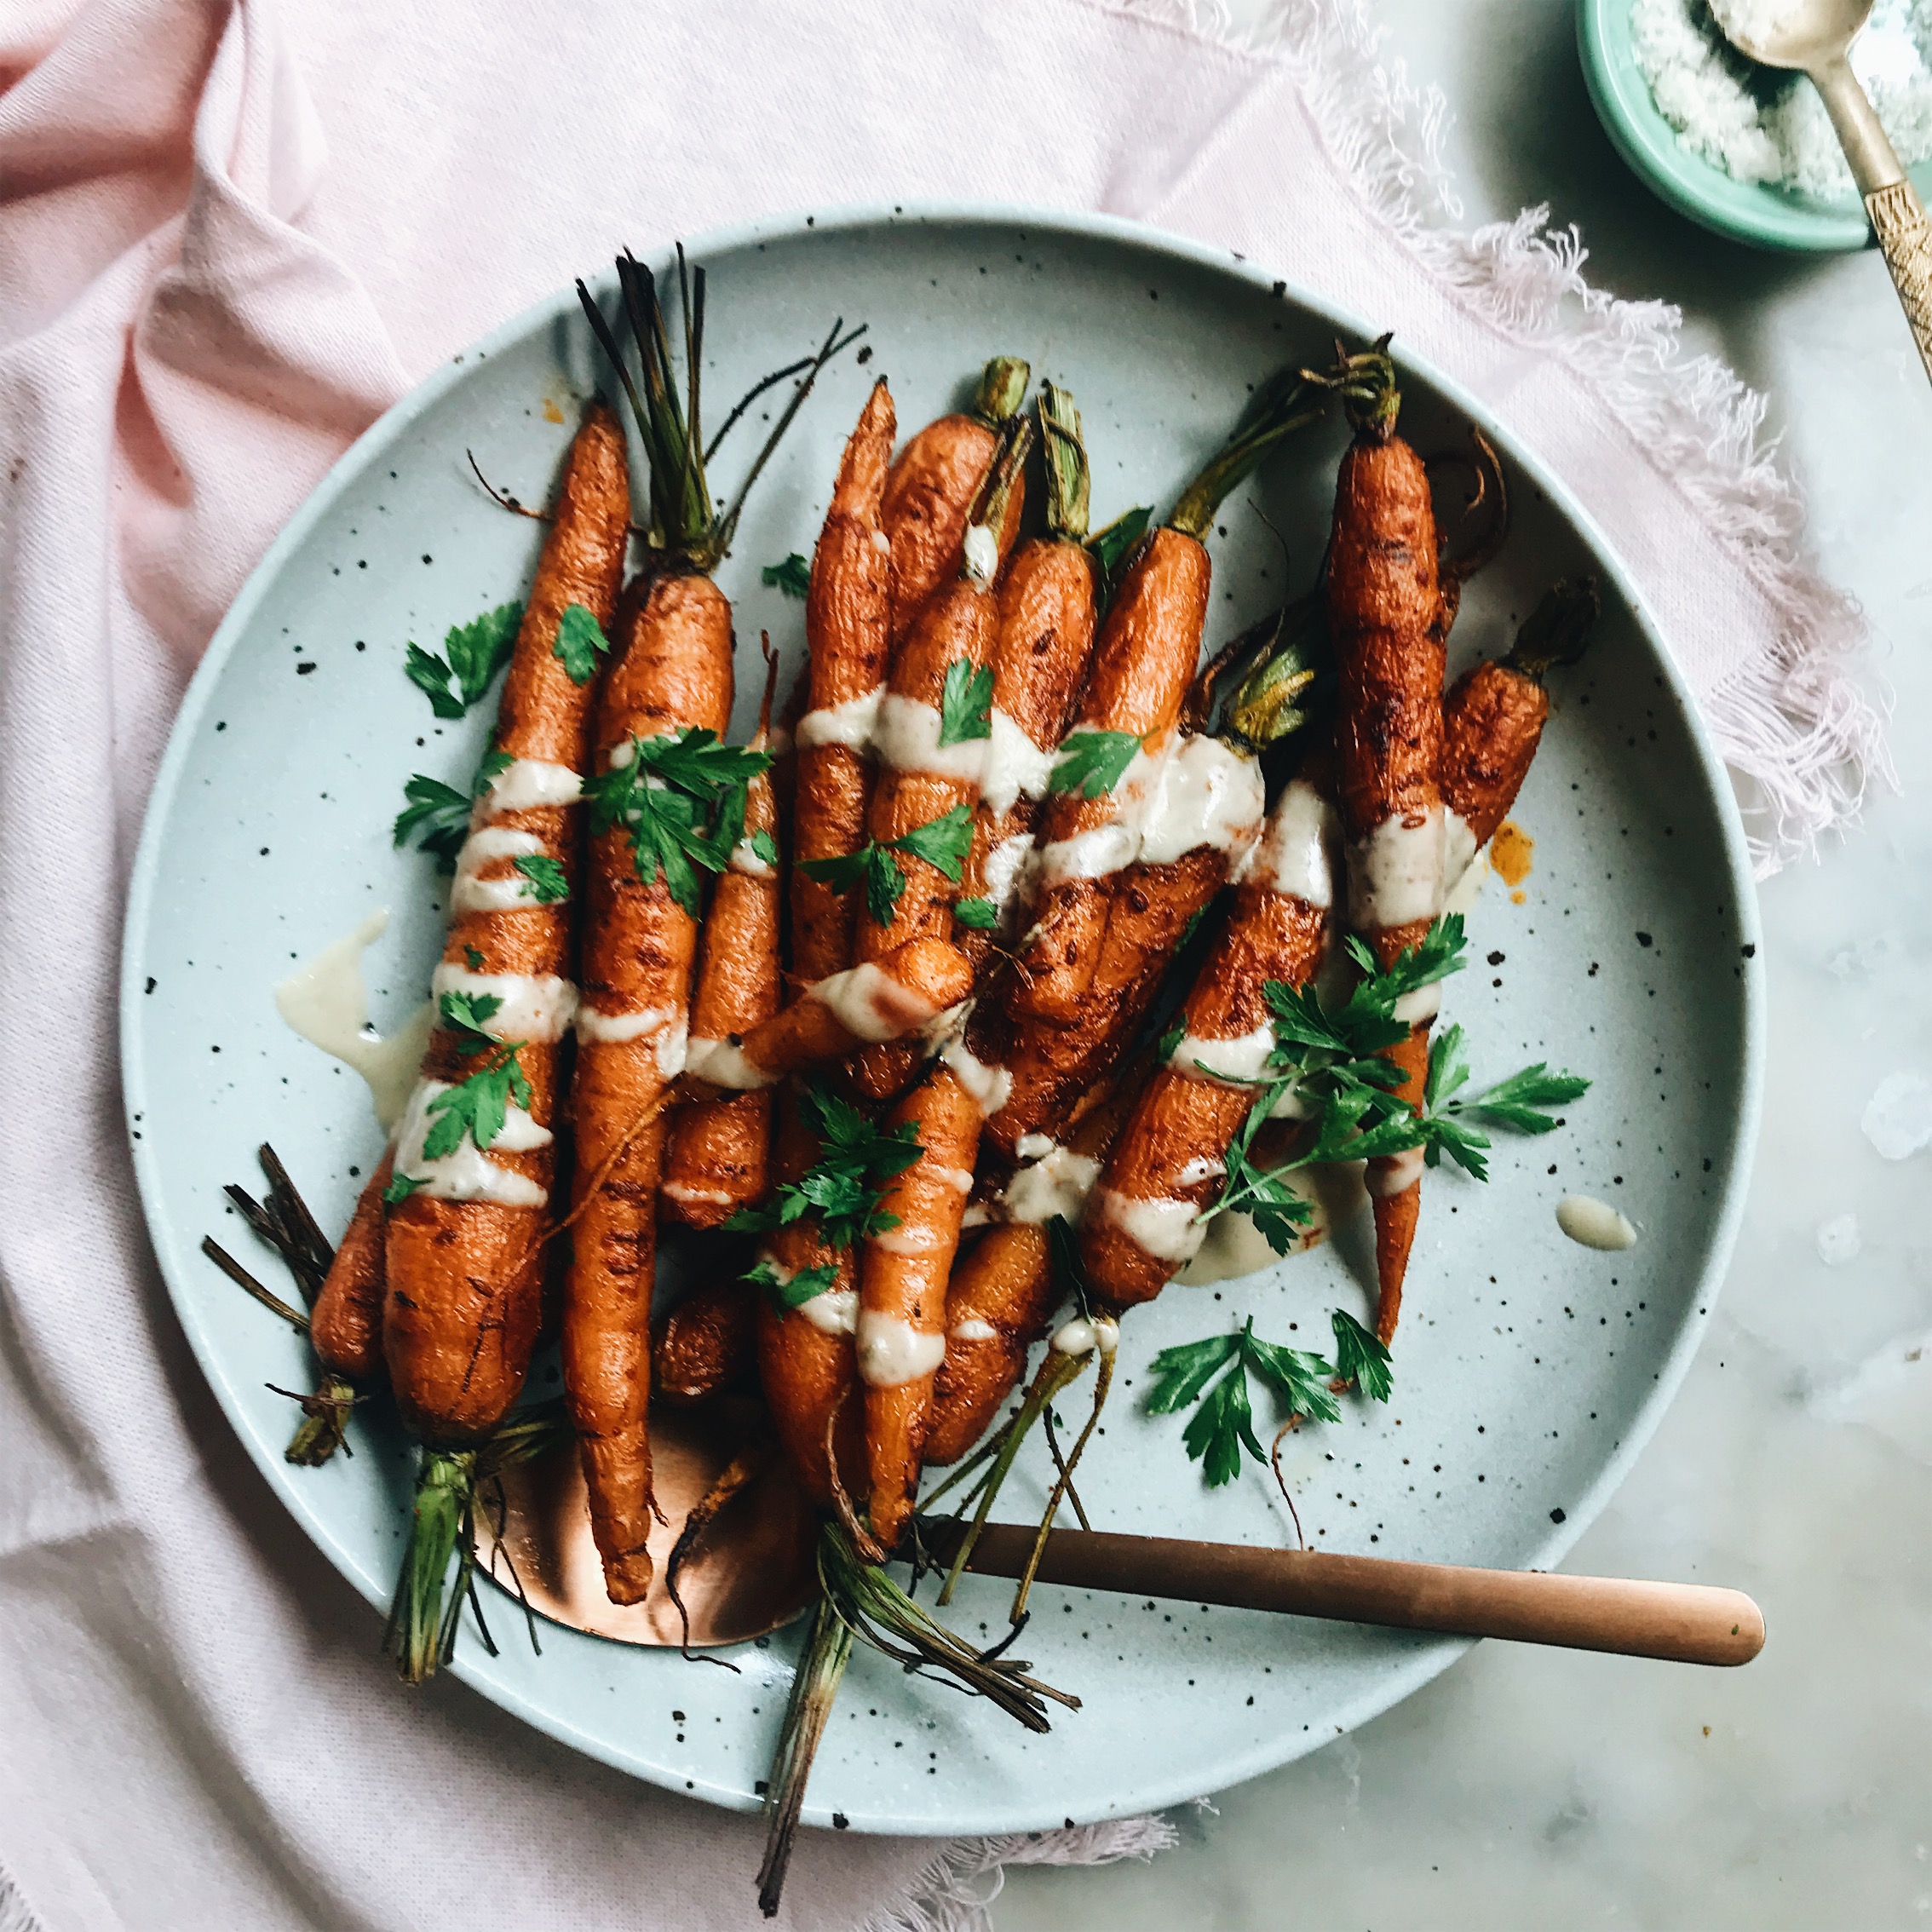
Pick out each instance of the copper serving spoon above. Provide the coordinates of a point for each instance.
(756, 1571)
(1814, 38)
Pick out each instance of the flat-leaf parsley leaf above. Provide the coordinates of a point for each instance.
(580, 642)
(1092, 762)
(793, 576)
(472, 654)
(965, 703)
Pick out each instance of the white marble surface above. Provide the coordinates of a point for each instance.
(1531, 1789)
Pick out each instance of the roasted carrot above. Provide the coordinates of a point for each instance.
(930, 493)
(806, 1358)
(1139, 834)
(475, 1151)
(996, 1305)
(931, 754)
(848, 632)
(1493, 716)
(902, 1283)
(661, 807)
(1043, 639)
(884, 999)
(708, 1343)
(1388, 621)
(345, 1323)
(719, 1149)
(1142, 1220)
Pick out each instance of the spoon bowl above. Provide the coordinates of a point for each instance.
(1800, 35)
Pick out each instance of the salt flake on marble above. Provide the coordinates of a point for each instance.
(1838, 1240)
(1898, 1117)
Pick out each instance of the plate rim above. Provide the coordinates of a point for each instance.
(1430, 1658)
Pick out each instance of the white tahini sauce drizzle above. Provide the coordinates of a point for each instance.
(1423, 1003)
(665, 1026)
(724, 1063)
(1395, 874)
(326, 1002)
(1237, 1061)
(981, 554)
(1459, 847)
(834, 1312)
(850, 724)
(1015, 767)
(1465, 891)
(892, 1352)
(1166, 1228)
(746, 860)
(535, 1006)
(468, 1173)
(1294, 854)
(990, 1086)
(906, 737)
(1595, 1223)
(1080, 1337)
(1209, 794)
(1394, 1175)
(511, 892)
(871, 1005)
(1193, 791)
(1004, 862)
(1235, 1246)
(972, 1329)
(1056, 1182)
(524, 783)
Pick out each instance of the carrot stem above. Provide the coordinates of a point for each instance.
(423, 1617)
(1069, 477)
(1281, 405)
(828, 1650)
(325, 1422)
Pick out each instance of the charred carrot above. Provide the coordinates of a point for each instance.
(668, 802)
(848, 633)
(708, 1343)
(902, 1281)
(1492, 719)
(1143, 1221)
(475, 1151)
(930, 493)
(806, 1358)
(1388, 621)
(930, 737)
(1045, 637)
(719, 1149)
(1143, 822)
(997, 1301)
(883, 1000)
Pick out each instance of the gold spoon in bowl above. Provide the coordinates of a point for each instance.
(1814, 38)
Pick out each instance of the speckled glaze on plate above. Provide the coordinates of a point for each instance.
(1747, 211)
(1529, 1371)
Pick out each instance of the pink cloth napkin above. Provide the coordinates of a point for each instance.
(231, 233)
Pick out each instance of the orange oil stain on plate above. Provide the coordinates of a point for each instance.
(551, 413)
(1511, 854)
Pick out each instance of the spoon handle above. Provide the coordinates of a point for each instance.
(1682, 1623)
(1897, 214)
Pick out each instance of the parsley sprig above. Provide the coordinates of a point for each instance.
(580, 643)
(792, 576)
(437, 815)
(478, 1106)
(1516, 1103)
(1092, 762)
(805, 1285)
(472, 654)
(1330, 1062)
(843, 1186)
(942, 843)
(1304, 1385)
(679, 798)
(1223, 1425)
(544, 879)
(965, 703)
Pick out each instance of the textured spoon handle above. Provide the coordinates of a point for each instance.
(1897, 214)
(1683, 1623)
(1898, 219)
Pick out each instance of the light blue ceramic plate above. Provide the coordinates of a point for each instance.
(1529, 1371)
(1766, 217)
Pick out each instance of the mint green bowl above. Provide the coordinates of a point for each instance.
(1765, 217)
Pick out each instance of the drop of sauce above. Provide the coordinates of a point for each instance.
(326, 1002)
(551, 413)
(1594, 1224)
